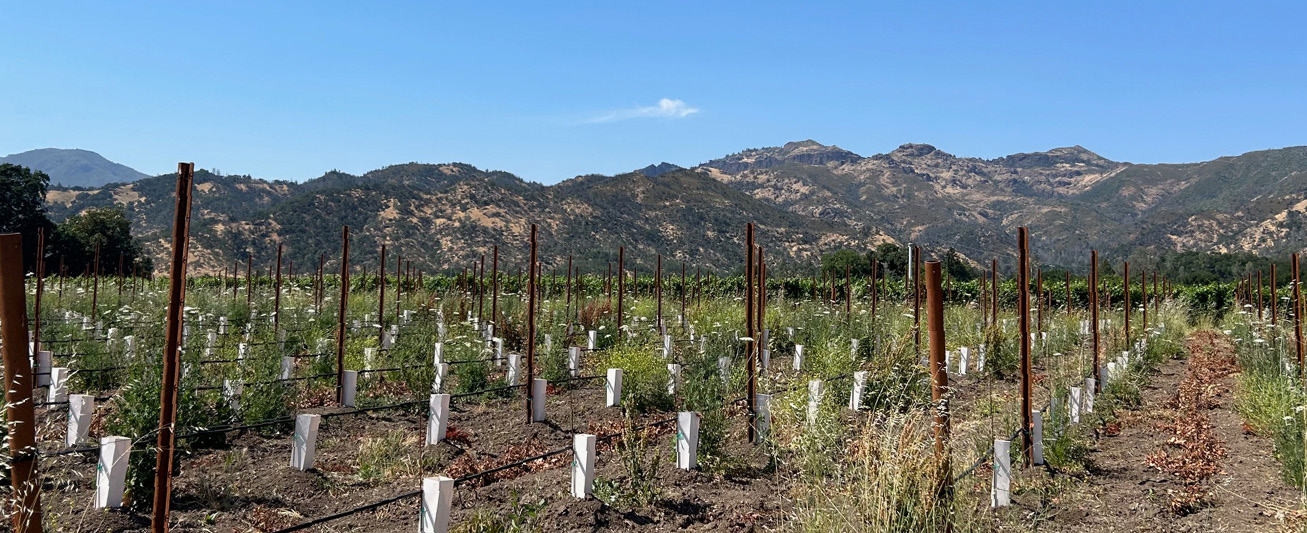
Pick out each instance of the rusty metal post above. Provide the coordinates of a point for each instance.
(481, 290)
(658, 289)
(1023, 308)
(621, 286)
(94, 289)
(993, 300)
(1039, 299)
(938, 377)
(381, 297)
(26, 504)
(276, 298)
(916, 299)
(1297, 312)
(40, 289)
(684, 294)
(567, 305)
(762, 293)
(1259, 295)
(749, 322)
(1143, 298)
(1156, 297)
(1093, 313)
(1275, 308)
(1125, 288)
(848, 292)
(249, 279)
(531, 326)
(322, 282)
(494, 288)
(340, 315)
(1068, 294)
(172, 349)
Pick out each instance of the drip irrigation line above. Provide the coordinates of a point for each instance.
(272, 381)
(484, 391)
(457, 481)
(356, 510)
(392, 369)
(580, 378)
(65, 402)
(470, 361)
(82, 339)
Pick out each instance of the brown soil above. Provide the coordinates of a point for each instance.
(247, 485)
(1138, 475)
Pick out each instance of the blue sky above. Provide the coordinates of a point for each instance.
(284, 90)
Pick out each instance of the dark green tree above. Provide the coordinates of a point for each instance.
(893, 260)
(956, 268)
(836, 263)
(22, 207)
(108, 227)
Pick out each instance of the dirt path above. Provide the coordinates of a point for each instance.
(1126, 491)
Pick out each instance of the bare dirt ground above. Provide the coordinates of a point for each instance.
(1132, 486)
(246, 484)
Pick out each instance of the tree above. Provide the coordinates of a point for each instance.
(22, 207)
(957, 268)
(893, 260)
(108, 227)
(836, 263)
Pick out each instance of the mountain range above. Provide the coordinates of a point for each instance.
(74, 168)
(806, 198)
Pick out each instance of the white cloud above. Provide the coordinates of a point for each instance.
(666, 108)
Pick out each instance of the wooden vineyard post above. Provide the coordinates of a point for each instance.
(340, 315)
(1023, 309)
(567, 305)
(20, 413)
(749, 320)
(95, 285)
(531, 328)
(938, 379)
(172, 349)
(1093, 312)
(983, 298)
(276, 298)
(621, 286)
(399, 285)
